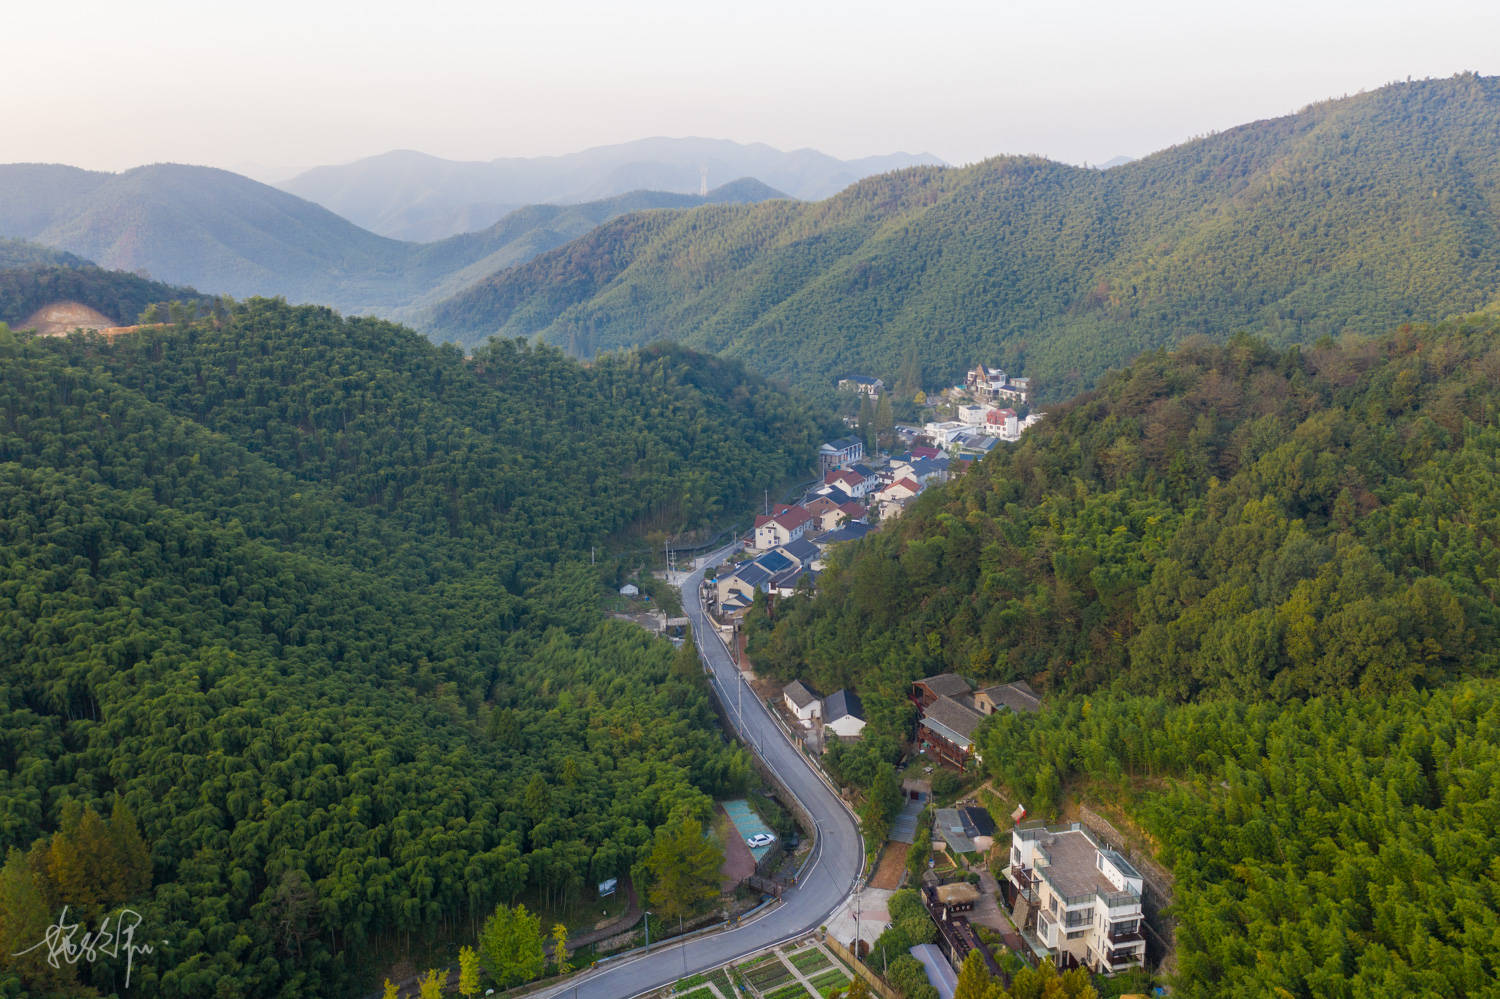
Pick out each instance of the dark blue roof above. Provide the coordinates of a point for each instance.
(843, 702)
(838, 496)
(801, 549)
(852, 531)
(773, 562)
(754, 574)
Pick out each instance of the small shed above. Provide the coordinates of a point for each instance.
(608, 886)
(630, 590)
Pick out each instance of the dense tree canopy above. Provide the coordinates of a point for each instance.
(312, 599)
(1219, 520)
(1258, 588)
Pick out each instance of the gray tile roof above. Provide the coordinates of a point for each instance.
(952, 720)
(800, 693)
(843, 702)
(946, 685)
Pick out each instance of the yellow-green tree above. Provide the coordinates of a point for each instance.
(391, 992)
(974, 981)
(468, 971)
(510, 945)
(431, 986)
(560, 948)
(24, 919)
(81, 861)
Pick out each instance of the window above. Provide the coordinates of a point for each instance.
(1080, 917)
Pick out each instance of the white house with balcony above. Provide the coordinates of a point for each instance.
(1078, 898)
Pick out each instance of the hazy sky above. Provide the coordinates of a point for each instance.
(271, 87)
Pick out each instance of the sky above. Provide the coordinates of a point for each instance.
(281, 85)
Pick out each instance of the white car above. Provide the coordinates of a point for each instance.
(760, 839)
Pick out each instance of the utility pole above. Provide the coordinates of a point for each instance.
(648, 932)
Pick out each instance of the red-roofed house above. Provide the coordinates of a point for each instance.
(784, 526)
(825, 513)
(854, 511)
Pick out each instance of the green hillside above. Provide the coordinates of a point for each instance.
(312, 599)
(121, 296)
(1259, 588)
(1352, 215)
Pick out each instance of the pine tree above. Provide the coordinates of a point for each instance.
(81, 861)
(131, 852)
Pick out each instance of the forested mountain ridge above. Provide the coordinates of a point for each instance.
(1221, 520)
(312, 596)
(227, 234)
(1353, 215)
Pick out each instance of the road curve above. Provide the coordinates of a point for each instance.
(828, 879)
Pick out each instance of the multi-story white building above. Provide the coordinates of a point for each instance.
(1082, 900)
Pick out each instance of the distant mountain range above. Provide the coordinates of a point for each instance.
(227, 234)
(1352, 215)
(410, 195)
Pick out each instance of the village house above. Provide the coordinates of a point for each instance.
(946, 729)
(863, 385)
(843, 714)
(974, 443)
(930, 688)
(804, 703)
(974, 415)
(993, 383)
(1016, 696)
(1003, 423)
(943, 433)
(837, 454)
(1079, 899)
(786, 523)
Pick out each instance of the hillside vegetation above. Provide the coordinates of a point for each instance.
(1237, 519)
(1352, 215)
(309, 600)
(28, 286)
(1260, 590)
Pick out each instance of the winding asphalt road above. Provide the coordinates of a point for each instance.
(826, 880)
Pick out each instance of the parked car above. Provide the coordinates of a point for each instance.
(760, 839)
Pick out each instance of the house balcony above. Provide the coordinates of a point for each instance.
(1125, 937)
(1025, 881)
(1119, 960)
